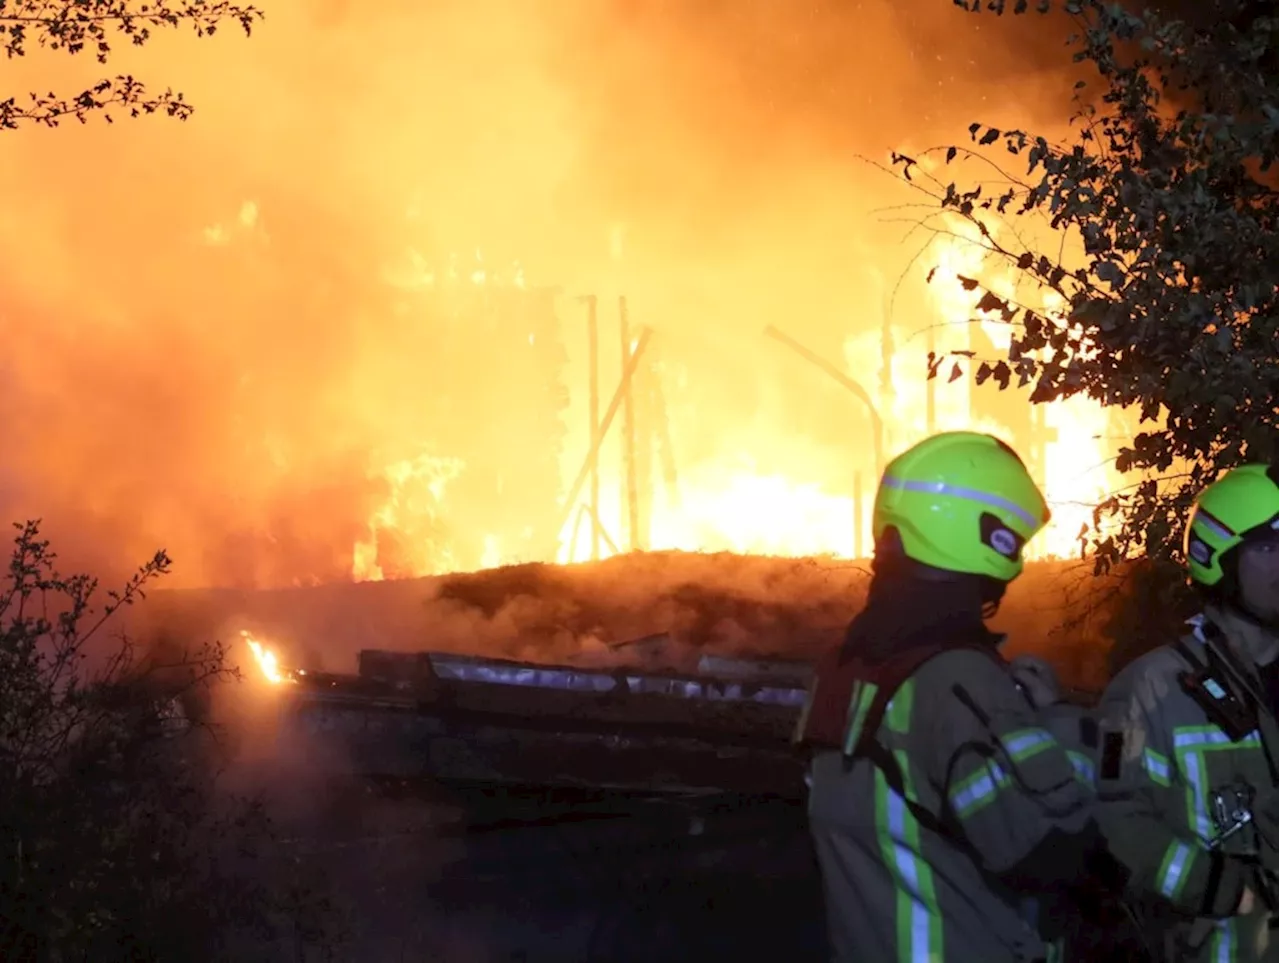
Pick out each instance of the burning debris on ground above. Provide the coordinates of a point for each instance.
(660, 610)
(637, 710)
(673, 675)
(609, 810)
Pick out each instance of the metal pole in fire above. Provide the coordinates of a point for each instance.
(877, 426)
(593, 404)
(629, 433)
(575, 490)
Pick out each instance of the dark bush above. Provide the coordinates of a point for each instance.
(115, 840)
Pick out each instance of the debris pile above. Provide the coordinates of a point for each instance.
(663, 611)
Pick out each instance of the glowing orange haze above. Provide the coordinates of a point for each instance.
(232, 337)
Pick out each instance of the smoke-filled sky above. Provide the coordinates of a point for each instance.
(204, 349)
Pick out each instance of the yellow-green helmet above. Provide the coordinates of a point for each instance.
(1241, 504)
(963, 502)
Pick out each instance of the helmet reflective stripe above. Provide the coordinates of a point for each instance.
(970, 494)
(1214, 526)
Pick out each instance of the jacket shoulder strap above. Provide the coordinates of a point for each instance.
(890, 676)
(1226, 700)
(1189, 656)
(1259, 712)
(868, 746)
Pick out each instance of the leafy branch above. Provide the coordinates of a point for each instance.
(114, 841)
(73, 26)
(1162, 207)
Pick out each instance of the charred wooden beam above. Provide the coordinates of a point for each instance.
(460, 718)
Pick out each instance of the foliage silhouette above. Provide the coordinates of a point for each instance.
(1164, 259)
(74, 26)
(114, 843)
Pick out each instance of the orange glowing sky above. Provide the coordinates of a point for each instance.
(210, 345)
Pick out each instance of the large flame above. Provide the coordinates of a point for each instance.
(309, 343)
(728, 502)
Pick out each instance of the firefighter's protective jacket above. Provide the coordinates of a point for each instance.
(1169, 782)
(990, 805)
(1076, 729)
(1059, 911)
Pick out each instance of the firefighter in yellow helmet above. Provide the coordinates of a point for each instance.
(1187, 767)
(938, 803)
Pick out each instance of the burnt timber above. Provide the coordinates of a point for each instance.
(723, 729)
(461, 719)
(450, 808)
(600, 815)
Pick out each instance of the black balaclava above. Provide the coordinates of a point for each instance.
(1250, 582)
(1248, 590)
(1248, 595)
(911, 604)
(1257, 578)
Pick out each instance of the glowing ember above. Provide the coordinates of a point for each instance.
(268, 662)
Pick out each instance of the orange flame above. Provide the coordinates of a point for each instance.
(267, 660)
(728, 501)
(1079, 457)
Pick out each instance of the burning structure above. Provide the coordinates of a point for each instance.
(361, 372)
(629, 491)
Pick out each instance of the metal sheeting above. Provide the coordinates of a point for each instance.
(493, 672)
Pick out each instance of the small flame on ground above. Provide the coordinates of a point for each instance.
(268, 661)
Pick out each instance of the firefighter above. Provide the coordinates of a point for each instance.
(937, 803)
(1186, 768)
